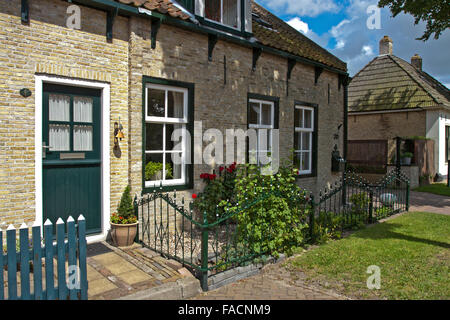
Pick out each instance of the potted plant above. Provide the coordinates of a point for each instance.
(124, 222)
(154, 171)
(406, 158)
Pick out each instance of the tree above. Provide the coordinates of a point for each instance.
(436, 13)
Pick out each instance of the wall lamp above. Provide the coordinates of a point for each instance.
(118, 134)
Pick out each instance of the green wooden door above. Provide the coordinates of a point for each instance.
(71, 154)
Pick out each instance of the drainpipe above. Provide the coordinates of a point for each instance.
(344, 178)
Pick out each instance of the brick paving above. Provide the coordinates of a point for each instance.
(428, 202)
(273, 283)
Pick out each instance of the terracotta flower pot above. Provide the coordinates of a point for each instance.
(123, 234)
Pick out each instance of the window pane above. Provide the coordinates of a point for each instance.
(266, 116)
(297, 141)
(264, 143)
(82, 138)
(306, 141)
(308, 119)
(156, 103)
(59, 137)
(298, 118)
(171, 145)
(82, 109)
(154, 136)
(230, 13)
(254, 111)
(305, 161)
(58, 107)
(173, 171)
(297, 156)
(175, 104)
(153, 167)
(212, 10)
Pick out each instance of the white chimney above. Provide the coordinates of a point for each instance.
(416, 61)
(386, 46)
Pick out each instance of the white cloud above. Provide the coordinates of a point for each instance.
(309, 8)
(299, 25)
(367, 50)
(357, 45)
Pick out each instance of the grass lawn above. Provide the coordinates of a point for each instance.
(412, 251)
(436, 188)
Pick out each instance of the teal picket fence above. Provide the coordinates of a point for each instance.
(48, 268)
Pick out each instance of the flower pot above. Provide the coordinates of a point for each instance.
(123, 234)
(406, 161)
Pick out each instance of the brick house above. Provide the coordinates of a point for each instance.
(147, 67)
(391, 98)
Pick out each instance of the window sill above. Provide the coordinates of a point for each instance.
(304, 176)
(166, 188)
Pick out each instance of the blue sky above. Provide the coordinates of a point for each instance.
(340, 26)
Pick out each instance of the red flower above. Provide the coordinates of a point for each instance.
(194, 196)
(121, 218)
(221, 169)
(212, 176)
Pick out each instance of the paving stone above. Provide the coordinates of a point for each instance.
(121, 267)
(100, 286)
(135, 276)
(108, 258)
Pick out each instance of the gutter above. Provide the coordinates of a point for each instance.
(126, 10)
(356, 113)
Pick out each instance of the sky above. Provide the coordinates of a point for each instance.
(340, 26)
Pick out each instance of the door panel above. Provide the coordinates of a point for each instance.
(72, 161)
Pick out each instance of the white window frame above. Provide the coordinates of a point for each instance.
(239, 13)
(263, 126)
(167, 120)
(302, 129)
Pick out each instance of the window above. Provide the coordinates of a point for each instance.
(447, 146)
(304, 139)
(166, 110)
(226, 12)
(261, 117)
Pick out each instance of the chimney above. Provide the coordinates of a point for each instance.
(385, 45)
(416, 61)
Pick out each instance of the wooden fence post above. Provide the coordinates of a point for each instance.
(37, 261)
(72, 254)
(82, 257)
(49, 280)
(24, 263)
(2, 289)
(61, 258)
(12, 262)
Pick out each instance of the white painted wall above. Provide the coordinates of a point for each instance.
(436, 122)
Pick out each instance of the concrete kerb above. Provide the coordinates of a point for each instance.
(184, 288)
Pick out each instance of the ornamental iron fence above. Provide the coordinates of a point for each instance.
(170, 225)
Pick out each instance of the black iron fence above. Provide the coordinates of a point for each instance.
(170, 226)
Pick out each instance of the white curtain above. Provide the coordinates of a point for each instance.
(82, 138)
(82, 109)
(230, 12)
(59, 137)
(59, 106)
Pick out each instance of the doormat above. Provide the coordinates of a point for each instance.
(96, 249)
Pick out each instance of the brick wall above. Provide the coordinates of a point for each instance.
(387, 126)
(47, 46)
(183, 56)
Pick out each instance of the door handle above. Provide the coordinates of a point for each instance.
(44, 150)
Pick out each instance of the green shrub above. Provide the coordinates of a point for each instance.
(218, 193)
(125, 210)
(327, 226)
(274, 213)
(383, 212)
